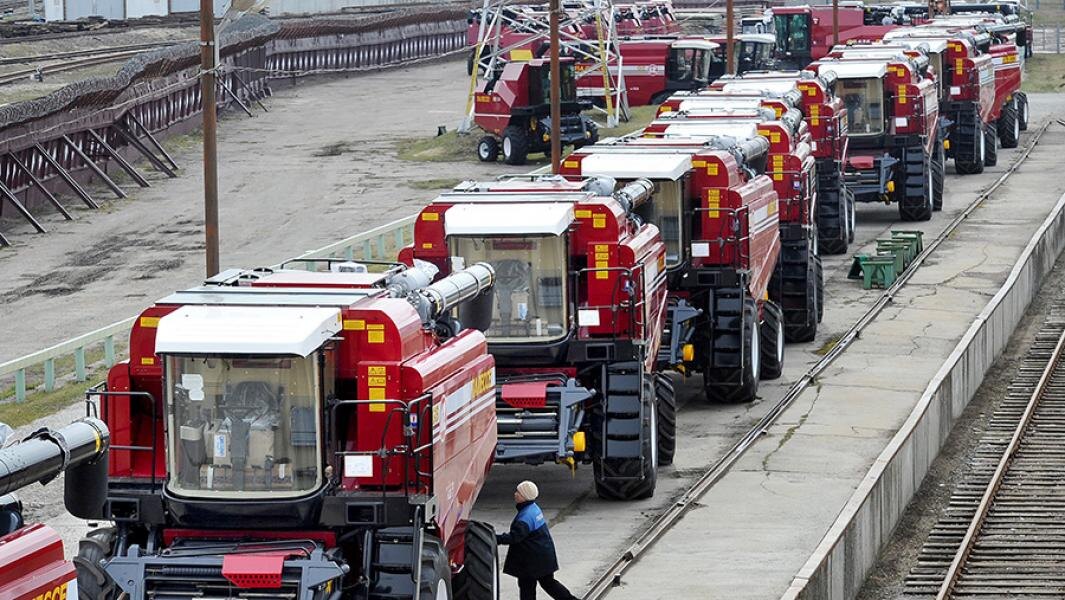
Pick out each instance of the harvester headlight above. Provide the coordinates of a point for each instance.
(579, 443)
(547, 137)
(946, 144)
(687, 352)
(891, 186)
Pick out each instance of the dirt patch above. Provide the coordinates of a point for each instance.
(334, 149)
(445, 183)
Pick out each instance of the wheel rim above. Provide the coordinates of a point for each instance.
(983, 147)
(506, 147)
(854, 215)
(931, 191)
(1024, 111)
(482, 149)
(756, 351)
(441, 590)
(1016, 129)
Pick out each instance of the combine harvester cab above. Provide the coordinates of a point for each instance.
(969, 79)
(577, 321)
(514, 108)
(752, 51)
(719, 216)
(299, 434)
(893, 132)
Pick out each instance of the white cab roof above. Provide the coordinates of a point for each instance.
(508, 219)
(629, 166)
(696, 127)
(855, 70)
(696, 44)
(259, 330)
(779, 86)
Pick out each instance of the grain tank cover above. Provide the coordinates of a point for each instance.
(657, 166)
(258, 330)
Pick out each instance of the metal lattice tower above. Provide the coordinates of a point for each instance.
(507, 29)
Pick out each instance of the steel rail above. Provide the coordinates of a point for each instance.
(15, 60)
(611, 576)
(961, 556)
(21, 75)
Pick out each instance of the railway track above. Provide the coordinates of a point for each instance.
(75, 61)
(1003, 530)
(663, 522)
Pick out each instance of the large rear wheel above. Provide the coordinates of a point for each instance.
(737, 381)
(1022, 111)
(666, 405)
(479, 577)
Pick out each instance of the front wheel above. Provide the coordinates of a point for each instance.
(436, 572)
(479, 577)
(488, 149)
(632, 478)
(738, 382)
(1022, 111)
(93, 581)
(772, 343)
(1009, 129)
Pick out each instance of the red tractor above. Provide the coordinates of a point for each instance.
(894, 143)
(514, 108)
(719, 216)
(290, 433)
(32, 563)
(804, 33)
(580, 306)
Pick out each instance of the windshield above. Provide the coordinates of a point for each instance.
(793, 33)
(243, 426)
(540, 85)
(754, 56)
(665, 211)
(531, 296)
(864, 99)
(687, 65)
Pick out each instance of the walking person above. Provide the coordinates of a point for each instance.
(531, 557)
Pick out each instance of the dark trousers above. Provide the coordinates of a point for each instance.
(527, 587)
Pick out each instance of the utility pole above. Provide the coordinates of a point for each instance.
(835, 22)
(730, 42)
(556, 93)
(210, 128)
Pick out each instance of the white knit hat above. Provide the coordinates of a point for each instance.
(528, 490)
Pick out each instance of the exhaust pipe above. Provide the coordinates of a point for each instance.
(434, 300)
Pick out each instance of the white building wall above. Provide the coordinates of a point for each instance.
(136, 9)
(185, 6)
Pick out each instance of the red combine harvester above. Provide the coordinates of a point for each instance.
(797, 284)
(656, 67)
(981, 80)
(719, 216)
(826, 121)
(299, 434)
(894, 143)
(32, 563)
(577, 324)
(514, 108)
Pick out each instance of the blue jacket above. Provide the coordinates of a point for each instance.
(532, 551)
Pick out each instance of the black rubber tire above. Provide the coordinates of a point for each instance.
(819, 269)
(592, 127)
(991, 159)
(641, 473)
(1009, 128)
(737, 385)
(479, 577)
(915, 193)
(488, 149)
(1022, 110)
(939, 171)
(660, 97)
(436, 570)
(515, 145)
(666, 404)
(832, 221)
(971, 130)
(93, 581)
(772, 346)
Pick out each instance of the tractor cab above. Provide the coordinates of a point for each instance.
(689, 64)
(753, 52)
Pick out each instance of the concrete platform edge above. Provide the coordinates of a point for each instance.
(839, 564)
